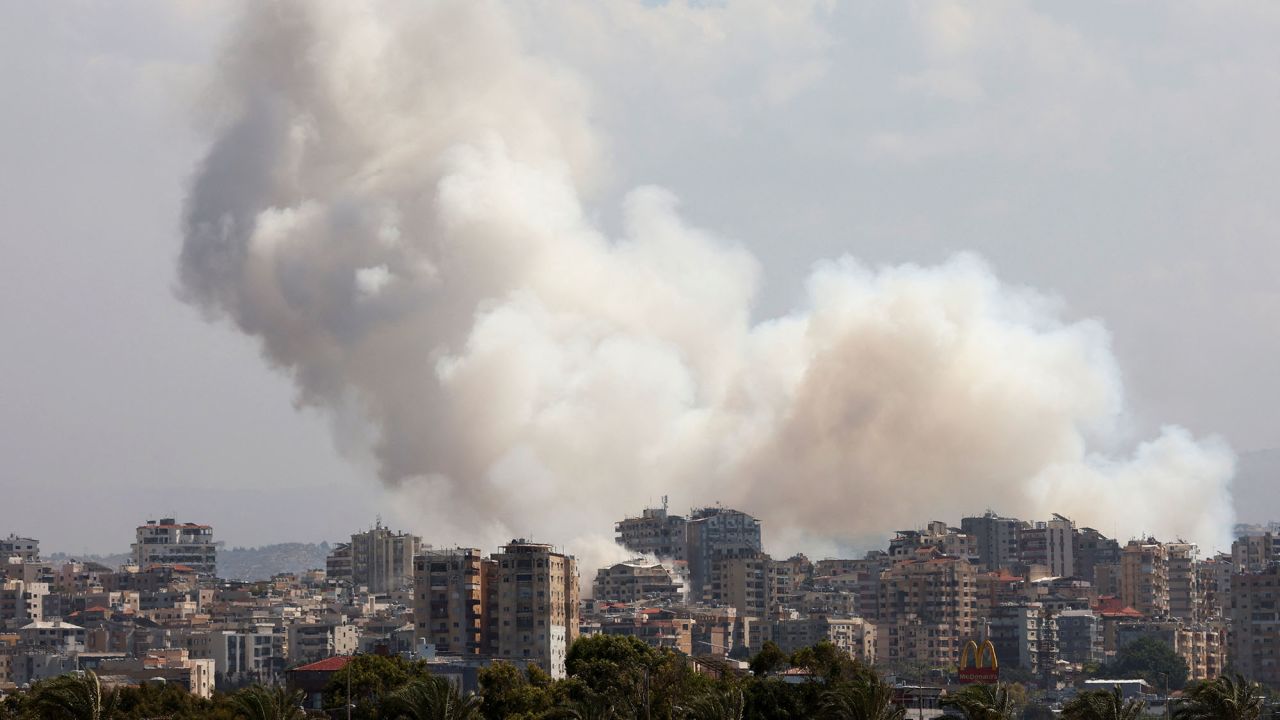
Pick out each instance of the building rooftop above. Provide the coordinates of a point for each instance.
(330, 664)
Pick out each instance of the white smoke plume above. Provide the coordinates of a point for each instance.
(394, 206)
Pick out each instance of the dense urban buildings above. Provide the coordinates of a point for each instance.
(1057, 602)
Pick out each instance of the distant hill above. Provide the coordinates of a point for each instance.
(255, 563)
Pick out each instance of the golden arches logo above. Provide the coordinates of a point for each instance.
(979, 655)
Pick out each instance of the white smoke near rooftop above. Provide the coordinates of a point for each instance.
(395, 210)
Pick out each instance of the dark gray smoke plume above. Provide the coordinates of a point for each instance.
(393, 209)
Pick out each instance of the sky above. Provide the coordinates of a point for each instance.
(1122, 160)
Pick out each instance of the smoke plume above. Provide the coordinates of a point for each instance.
(394, 206)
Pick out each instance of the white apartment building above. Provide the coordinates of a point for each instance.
(167, 542)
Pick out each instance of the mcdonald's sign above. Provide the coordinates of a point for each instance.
(979, 664)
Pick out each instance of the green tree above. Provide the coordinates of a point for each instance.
(430, 698)
(770, 659)
(725, 703)
(511, 694)
(257, 702)
(370, 678)
(1223, 698)
(828, 662)
(867, 698)
(1150, 659)
(637, 680)
(1103, 705)
(78, 696)
(985, 702)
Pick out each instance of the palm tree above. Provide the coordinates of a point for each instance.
(728, 704)
(78, 696)
(1103, 705)
(1223, 698)
(263, 703)
(431, 699)
(867, 698)
(984, 702)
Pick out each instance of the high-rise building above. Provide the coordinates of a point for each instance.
(451, 601)
(741, 580)
(382, 560)
(337, 565)
(537, 604)
(1182, 561)
(167, 542)
(1255, 625)
(997, 539)
(1253, 553)
(716, 531)
(1092, 549)
(1061, 535)
(520, 603)
(1024, 636)
(654, 533)
(933, 594)
(1215, 586)
(1079, 636)
(1144, 577)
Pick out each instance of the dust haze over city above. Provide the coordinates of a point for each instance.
(519, 270)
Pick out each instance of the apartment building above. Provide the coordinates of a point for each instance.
(998, 539)
(248, 655)
(24, 549)
(655, 533)
(453, 604)
(337, 565)
(1203, 647)
(1079, 636)
(1182, 563)
(853, 635)
(1215, 586)
(948, 540)
(1144, 577)
(316, 641)
(537, 601)
(638, 581)
(382, 560)
(1092, 548)
(715, 531)
(167, 542)
(1254, 552)
(741, 580)
(1024, 636)
(933, 594)
(1255, 625)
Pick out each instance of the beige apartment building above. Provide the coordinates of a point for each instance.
(1185, 596)
(537, 604)
(520, 603)
(927, 608)
(452, 604)
(637, 581)
(168, 542)
(741, 581)
(1144, 577)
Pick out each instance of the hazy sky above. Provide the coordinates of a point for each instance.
(1121, 157)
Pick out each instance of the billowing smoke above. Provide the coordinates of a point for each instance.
(395, 207)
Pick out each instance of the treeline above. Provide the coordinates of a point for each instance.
(609, 678)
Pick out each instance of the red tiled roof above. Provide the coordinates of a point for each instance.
(333, 664)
